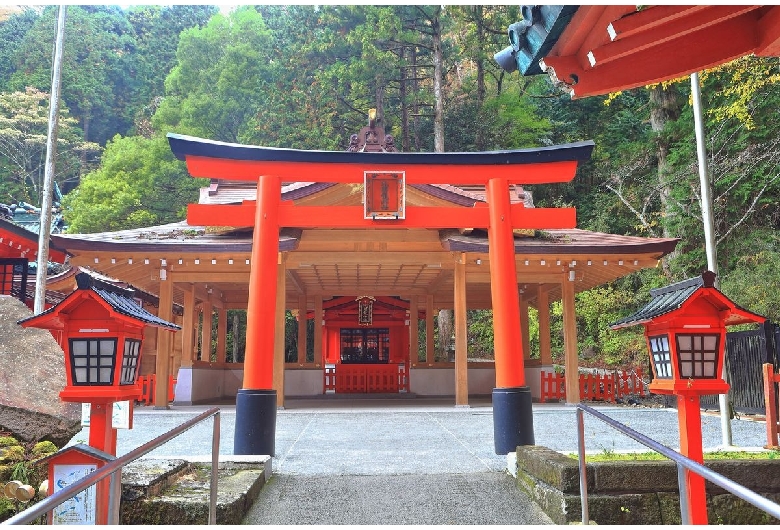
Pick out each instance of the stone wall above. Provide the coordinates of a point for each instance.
(639, 492)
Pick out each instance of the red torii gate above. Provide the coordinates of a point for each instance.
(497, 170)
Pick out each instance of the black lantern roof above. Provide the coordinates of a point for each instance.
(671, 298)
(119, 299)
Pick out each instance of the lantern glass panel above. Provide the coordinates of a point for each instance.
(92, 361)
(698, 355)
(130, 361)
(661, 356)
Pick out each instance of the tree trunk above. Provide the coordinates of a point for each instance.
(665, 106)
(480, 23)
(438, 69)
(404, 104)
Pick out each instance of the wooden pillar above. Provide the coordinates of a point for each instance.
(206, 330)
(414, 332)
(188, 327)
(281, 274)
(461, 342)
(430, 344)
(164, 343)
(318, 316)
(543, 303)
(510, 371)
(301, 329)
(221, 335)
(524, 327)
(570, 341)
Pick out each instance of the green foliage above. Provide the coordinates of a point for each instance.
(24, 118)
(139, 183)
(234, 55)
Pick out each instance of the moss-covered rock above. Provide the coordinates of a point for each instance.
(6, 441)
(42, 449)
(12, 453)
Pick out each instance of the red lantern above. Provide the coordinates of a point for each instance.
(102, 328)
(685, 327)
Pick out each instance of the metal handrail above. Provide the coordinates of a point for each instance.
(113, 467)
(682, 461)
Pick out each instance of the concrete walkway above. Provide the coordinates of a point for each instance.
(407, 461)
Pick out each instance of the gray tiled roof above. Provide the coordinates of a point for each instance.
(120, 300)
(663, 300)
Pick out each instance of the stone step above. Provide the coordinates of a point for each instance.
(176, 490)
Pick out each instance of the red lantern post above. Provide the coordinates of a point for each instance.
(685, 327)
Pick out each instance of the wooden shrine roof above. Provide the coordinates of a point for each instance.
(599, 49)
(18, 242)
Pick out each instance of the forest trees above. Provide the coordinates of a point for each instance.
(304, 77)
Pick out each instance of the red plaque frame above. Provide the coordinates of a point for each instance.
(384, 194)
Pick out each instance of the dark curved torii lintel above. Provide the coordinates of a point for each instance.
(183, 146)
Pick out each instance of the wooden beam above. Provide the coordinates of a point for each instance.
(318, 316)
(543, 308)
(278, 380)
(344, 217)
(414, 332)
(221, 335)
(690, 19)
(353, 173)
(570, 342)
(430, 346)
(769, 31)
(461, 335)
(302, 321)
(704, 49)
(188, 326)
(164, 343)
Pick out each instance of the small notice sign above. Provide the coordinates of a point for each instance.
(81, 508)
(384, 194)
(121, 417)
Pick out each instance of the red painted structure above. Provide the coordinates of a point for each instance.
(370, 357)
(101, 331)
(18, 247)
(599, 49)
(685, 327)
(268, 167)
(74, 457)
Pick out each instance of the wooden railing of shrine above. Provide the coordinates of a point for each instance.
(366, 378)
(13, 278)
(147, 384)
(594, 387)
(770, 402)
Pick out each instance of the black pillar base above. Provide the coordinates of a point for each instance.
(513, 420)
(255, 432)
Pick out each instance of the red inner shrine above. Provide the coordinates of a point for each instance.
(366, 344)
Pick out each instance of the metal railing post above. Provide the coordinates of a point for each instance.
(684, 465)
(114, 468)
(583, 468)
(685, 513)
(214, 471)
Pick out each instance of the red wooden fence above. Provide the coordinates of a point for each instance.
(770, 403)
(361, 378)
(147, 384)
(593, 387)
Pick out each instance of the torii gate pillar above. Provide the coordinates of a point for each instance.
(256, 400)
(512, 404)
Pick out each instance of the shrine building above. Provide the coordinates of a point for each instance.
(368, 245)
